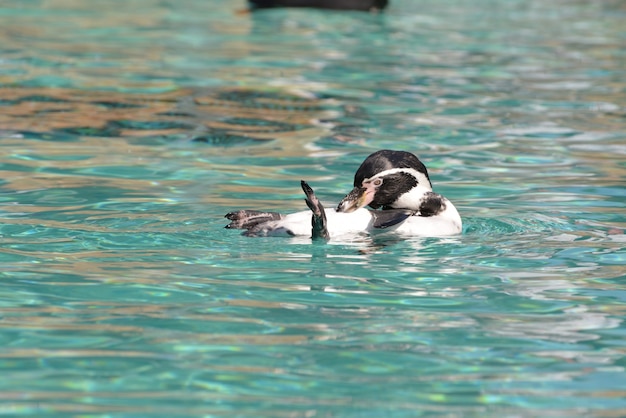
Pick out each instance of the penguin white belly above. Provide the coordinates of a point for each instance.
(338, 223)
(448, 222)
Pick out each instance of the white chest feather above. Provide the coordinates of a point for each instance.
(339, 223)
(413, 198)
(361, 221)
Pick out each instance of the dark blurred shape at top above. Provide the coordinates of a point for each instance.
(322, 4)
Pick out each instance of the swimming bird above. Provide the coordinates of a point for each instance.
(395, 181)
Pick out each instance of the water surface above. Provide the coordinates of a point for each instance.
(126, 133)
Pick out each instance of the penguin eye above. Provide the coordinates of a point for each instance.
(377, 182)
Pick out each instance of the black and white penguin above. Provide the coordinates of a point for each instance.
(396, 182)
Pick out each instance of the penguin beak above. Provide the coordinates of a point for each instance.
(356, 199)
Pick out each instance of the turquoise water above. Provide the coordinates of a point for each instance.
(126, 133)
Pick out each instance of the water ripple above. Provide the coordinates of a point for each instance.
(125, 138)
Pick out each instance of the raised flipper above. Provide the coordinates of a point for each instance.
(249, 219)
(390, 217)
(319, 224)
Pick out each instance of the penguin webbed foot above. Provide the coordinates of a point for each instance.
(319, 224)
(250, 219)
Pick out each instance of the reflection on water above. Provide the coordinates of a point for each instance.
(125, 137)
(236, 117)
